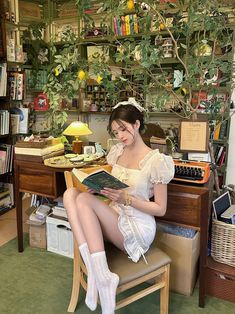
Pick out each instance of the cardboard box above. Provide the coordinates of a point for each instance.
(37, 236)
(184, 253)
(59, 236)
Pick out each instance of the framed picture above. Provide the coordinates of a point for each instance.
(41, 102)
(194, 136)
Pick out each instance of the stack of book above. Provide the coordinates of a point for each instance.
(5, 197)
(4, 122)
(39, 215)
(38, 151)
(58, 209)
(6, 158)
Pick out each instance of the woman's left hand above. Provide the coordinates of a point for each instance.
(118, 196)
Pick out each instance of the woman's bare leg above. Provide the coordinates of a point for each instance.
(70, 204)
(90, 218)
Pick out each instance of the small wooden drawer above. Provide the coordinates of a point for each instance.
(38, 179)
(184, 204)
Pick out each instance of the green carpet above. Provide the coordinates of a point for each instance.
(39, 282)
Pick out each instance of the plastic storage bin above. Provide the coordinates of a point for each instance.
(59, 236)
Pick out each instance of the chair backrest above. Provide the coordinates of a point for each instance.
(152, 129)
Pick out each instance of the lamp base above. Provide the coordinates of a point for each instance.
(77, 147)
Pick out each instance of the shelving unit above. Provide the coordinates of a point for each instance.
(6, 140)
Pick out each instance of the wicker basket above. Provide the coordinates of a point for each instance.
(223, 242)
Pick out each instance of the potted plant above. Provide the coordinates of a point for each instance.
(191, 39)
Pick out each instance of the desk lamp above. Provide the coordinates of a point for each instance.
(77, 129)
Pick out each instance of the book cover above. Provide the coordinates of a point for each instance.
(98, 180)
(223, 130)
(24, 117)
(15, 123)
(217, 132)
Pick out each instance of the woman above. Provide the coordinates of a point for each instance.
(128, 221)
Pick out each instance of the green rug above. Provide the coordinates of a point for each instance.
(39, 282)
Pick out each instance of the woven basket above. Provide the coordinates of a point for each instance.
(223, 242)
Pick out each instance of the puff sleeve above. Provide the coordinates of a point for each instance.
(162, 169)
(114, 153)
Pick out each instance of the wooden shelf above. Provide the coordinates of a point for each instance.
(95, 112)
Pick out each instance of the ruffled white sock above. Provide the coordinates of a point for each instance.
(92, 293)
(106, 281)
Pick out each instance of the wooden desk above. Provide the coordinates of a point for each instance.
(187, 205)
(35, 178)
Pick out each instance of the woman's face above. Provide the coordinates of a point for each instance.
(125, 132)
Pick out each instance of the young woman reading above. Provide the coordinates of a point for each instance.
(128, 220)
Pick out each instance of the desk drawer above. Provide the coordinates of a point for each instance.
(185, 204)
(37, 181)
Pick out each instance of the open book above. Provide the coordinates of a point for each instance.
(98, 179)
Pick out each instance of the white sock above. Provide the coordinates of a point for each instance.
(106, 281)
(92, 293)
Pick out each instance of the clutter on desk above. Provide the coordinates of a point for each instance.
(37, 149)
(92, 156)
(37, 141)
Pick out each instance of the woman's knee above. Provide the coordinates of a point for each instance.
(70, 196)
(83, 198)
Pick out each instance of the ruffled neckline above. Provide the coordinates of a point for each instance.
(142, 162)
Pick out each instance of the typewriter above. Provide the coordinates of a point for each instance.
(191, 171)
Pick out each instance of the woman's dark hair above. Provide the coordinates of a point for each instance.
(127, 113)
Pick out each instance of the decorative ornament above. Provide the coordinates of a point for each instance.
(57, 71)
(203, 50)
(130, 5)
(99, 79)
(81, 75)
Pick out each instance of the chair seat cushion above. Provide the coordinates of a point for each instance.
(127, 270)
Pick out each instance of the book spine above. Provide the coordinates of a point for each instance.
(119, 27)
(220, 150)
(127, 20)
(123, 26)
(223, 130)
(132, 24)
(222, 158)
(135, 19)
(217, 132)
(115, 26)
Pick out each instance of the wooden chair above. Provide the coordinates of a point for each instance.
(131, 274)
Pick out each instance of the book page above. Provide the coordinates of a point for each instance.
(194, 136)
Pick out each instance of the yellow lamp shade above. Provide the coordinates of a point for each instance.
(77, 128)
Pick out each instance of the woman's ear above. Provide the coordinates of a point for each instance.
(137, 124)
